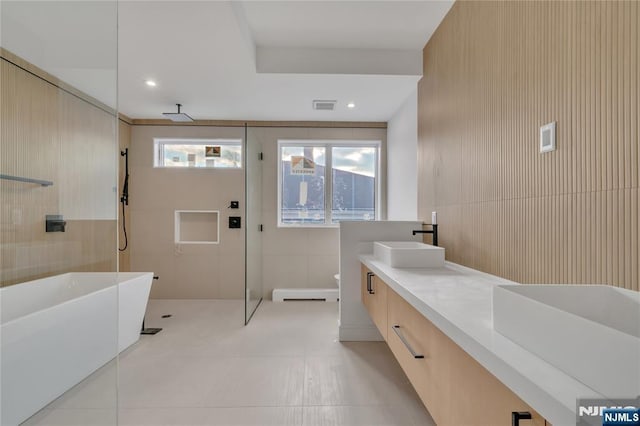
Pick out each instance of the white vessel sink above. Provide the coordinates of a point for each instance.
(408, 254)
(591, 332)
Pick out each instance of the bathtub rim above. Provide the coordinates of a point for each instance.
(117, 283)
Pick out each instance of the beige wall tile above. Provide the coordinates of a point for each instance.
(287, 252)
(231, 240)
(151, 231)
(231, 277)
(162, 266)
(325, 241)
(284, 272)
(282, 241)
(197, 277)
(156, 193)
(322, 269)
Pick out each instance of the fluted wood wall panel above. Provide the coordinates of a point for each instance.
(494, 72)
(51, 134)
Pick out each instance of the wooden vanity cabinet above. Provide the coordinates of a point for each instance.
(485, 397)
(373, 292)
(453, 386)
(428, 375)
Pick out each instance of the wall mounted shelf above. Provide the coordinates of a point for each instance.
(27, 180)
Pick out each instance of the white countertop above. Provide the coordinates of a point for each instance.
(458, 301)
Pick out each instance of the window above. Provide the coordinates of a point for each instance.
(321, 183)
(198, 153)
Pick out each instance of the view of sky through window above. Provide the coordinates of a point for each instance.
(306, 170)
(199, 154)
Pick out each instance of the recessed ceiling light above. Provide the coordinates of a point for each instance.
(351, 105)
(150, 83)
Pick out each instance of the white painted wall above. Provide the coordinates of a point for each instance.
(402, 162)
(357, 238)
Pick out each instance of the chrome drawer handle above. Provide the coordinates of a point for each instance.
(396, 329)
(369, 284)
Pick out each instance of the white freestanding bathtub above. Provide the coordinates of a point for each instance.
(56, 331)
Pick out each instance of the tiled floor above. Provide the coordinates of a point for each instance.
(205, 368)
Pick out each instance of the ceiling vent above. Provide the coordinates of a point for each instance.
(324, 105)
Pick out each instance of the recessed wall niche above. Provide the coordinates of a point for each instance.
(197, 227)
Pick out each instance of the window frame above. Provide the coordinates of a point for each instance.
(159, 143)
(328, 177)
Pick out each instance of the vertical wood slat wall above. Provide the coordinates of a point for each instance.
(494, 72)
(48, 133)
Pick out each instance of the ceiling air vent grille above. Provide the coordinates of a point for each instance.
(324, 105)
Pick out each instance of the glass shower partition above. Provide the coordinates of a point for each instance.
(253, 222)
(59, 328)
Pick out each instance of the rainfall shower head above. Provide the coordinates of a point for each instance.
(178, 116)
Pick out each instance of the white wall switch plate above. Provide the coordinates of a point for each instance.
(548, 137)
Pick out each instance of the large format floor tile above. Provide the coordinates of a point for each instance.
(256, 382)
(205, 368)
(73, 417)
(234, 416)
(355, 380)
(359, 415)
(100, 392)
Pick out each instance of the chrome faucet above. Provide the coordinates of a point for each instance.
(433, 231)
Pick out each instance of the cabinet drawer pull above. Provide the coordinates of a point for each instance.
(369, 283)
(396, 329)
(516, 416)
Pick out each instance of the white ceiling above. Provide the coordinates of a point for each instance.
(74, 41)
(344, 24)
(258, 60)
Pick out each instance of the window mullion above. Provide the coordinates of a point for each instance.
(328, 186)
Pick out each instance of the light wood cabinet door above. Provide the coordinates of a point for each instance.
(428, 375)
(374, 297)
(479, 398)
(454, 387)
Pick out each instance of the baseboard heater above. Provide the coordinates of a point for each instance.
(319, 294)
